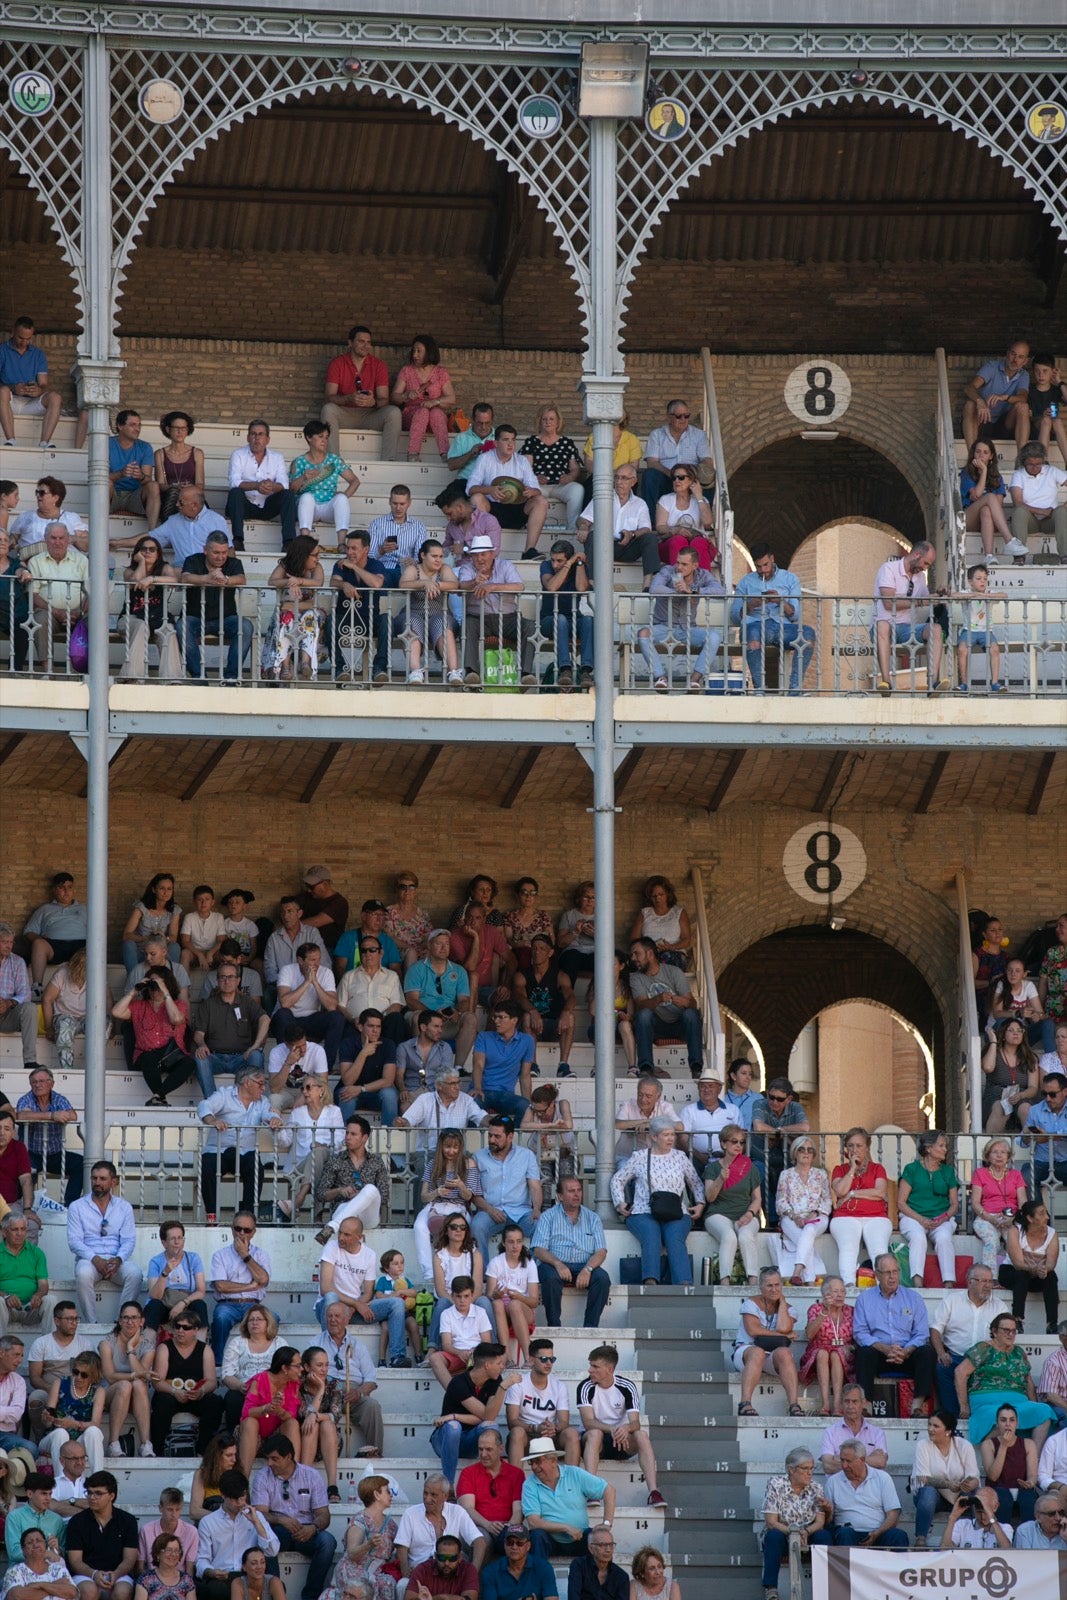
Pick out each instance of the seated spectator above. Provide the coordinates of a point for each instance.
(996, 403)
(460, 1330)
(219, 1457)
(422, 1525)
(36, 1513)
(322, 906)
(175, 1279)
(348, 951)
(545, 998)
(984, 493)
(465, 448)
(448, 1187)
(1052, 1465)
(1013, 994)
(186, 529)
(374, 990)
(269, 1408)
(446, 1572)
(41, 1574)
(564, 577)
(1010, 1465)
(233, 1117)
(732, 1205)
(676, 441)
(972, 1524)
(525, 922)
(703, 1120)
(927, 1197)
(168, 1576)
(1052, 1384)
(368, 1547)
(394, 539)
(995, 1372)
(631, 528)
(657, 1215)
(768, 607)
(159, 1016)
(960, 1321)
(478, 942)
(291, 644)
(489, 585)
(443, 1106)
(1052, 995)
(229, 1030)
(15, 580)
(684, 520)
(538, 1407)
(1033, 1251)
(219, 574)
(126, 1358)
(240, 1277)
(762, 1344)
(420, 1061)
(945, 1467)
(27, 530)
(852, 1424)
(903, 615)
(25, 1300)
(557, 465)
(59, 588)
(348, 1360)
(68, 1489)
(225, 1535)
(315, 478)
(656, 1017)
(132, 470)
(997, 1191)
(973, 621)
(513, 1291)
(503, 1060)
(293, 1498)
(248, 1352)
(595, 1576)
(184, 1379)
(1010, 1072)
(627, 447)
(286, 939)
(610, 1409)
(12, 1399)
(307, 993)
(56, 931)
(510, 1184)
(315, 1130)
(50, 1357)
(102, 1543)
(357, 394)
(147, 579)
(440, 985)
(1046, 1531)
(548, 1130)
(556, 1500)
(1045, 1128)
(348, 1268)
(154, 916)
(405, 922)
(802, 1201)
(864, 1505)
(575, 934)
(75, 1410)
(178, 463)
(458, 1256)
(430, 580)
(259, 486)
(16, 1175)
(63, 1006)
(155, 955)
(423, 389)
(634, 1116)
(43, 1114)
(519, 1570)
(793, 1501)
(472, 1403)
(393, 1283)
(24, 389)
(353, 1183)
(892, 1334)
(490, 487)
(1035, 494)
(677, 592)
(292, 1061)
(357, 621)
(829, 1355)
(102, 1237)
(665, 922)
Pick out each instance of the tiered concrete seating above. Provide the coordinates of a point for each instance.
(1042, 545)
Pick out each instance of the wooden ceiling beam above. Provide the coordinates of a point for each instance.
(936, 773)
(521, 778)
(829, 783)
(220, 752)
(422, 774)
(10, 746)
(1037, 793)
(627, 771)
(722, 788)
(325, 762)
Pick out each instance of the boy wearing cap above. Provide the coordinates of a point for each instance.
(519, 1574)
(322, 907)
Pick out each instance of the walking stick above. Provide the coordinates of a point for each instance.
(348, 1400)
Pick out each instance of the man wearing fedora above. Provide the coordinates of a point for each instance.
(702, 1118)
(556, 1500)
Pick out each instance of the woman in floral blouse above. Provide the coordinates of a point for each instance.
(804, 1206)
(660, 1169)
(405, 922)
(793, 1500)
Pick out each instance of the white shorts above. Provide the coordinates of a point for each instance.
(739, 1359)
(26, 406)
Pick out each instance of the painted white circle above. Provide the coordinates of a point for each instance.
(161, 101)
(818, 392)
(32, 94)
(824, 863)
(540, 116)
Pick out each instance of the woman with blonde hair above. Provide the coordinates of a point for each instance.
(997, 1191)
(63, 1004)
(556, 463)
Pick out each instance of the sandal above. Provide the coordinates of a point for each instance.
(747, 1409)
(796, 1410)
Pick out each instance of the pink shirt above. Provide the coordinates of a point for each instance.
(1007, 1195)
(891, 575)
(459, 535)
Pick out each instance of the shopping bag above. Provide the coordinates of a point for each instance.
(501, 674)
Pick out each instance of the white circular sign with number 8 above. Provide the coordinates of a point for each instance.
(818, 392)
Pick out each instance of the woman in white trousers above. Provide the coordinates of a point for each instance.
(803, 1203)
(860, 1190)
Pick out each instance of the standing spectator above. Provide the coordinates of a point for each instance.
(959, 1322)
(56, 931)
(240, 1277)
(1035, 491)
(865, 1508)
(24, 389)
(17, 1011)
(595, 1575)
(657, 1216)
(102, 1236)
(233, 1117)
(663, 1006)
(803, 1206)
(175, 1279)
(357, 395)
(510, 1184)
(226, 1534)
(102, 1543)
(927, 1197)
(776, 1116)
(132, 470)
(184, 1379)
(792, 1502)
(610, 1409)
(731, 1213)
(259, 486)
(768, 602)
(229, 1030)
(293, 1499)
(860, 1190)
(892, 1334)
(24, 1297)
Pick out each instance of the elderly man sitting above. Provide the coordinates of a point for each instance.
(892, 1334)
(18, 1014)
(234, 1115)
(865, 1506)
(60, 586)
(24, 1297)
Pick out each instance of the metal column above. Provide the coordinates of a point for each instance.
(603, 391)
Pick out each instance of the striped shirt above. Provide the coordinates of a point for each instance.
(409, 536)
(14, 980)
(34, 1133)
(566, 1240)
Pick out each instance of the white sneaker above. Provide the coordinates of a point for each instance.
(456, 676)
(1015, 547)
(992, 559)
(114, 1448)
(146, 1450)
(417, 676)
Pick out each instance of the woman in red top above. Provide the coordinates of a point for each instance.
(160, 1017)
(271, 1404)
(860, 1189)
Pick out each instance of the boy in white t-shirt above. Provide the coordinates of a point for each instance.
(240, 926)
(292, 1060)
(463, 1326)
(202, 930)
(538, 1407)
(610, 1409)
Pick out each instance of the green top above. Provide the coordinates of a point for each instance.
(23, 1517)
(997, 1369)
(734, 1202)
(20, 1274)
(929, 1190)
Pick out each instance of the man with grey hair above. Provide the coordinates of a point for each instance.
(903, 613)
(892, 1333)
(12, 1394)
(59, 589)
(852, 1425)
(1046, 1531)
(24, 1296)
(44, 1114)
(218, 572)
(234, 1116)
(443, 1106)
(422, 1525)
(973, 1525)
(17, 1010)
(960, 1322)
(1035, 493)
(187, 529)
(864, 1504)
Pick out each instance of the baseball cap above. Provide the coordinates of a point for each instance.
(314, 875)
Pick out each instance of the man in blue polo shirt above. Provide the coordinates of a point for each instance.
(1046, 1135)
(131, 466)
(519, 1574)
(24, 383)
(440, 985)
(503, 1059)
(556, 1500)
(996, 401)
(511, 1185)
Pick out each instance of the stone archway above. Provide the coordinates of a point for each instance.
(862, 1061)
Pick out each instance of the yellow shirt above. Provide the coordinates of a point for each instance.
(628, 451)
(61, 584)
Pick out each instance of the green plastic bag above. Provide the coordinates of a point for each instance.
(501, 672)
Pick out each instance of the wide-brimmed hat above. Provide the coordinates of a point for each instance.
(539, 1449)
(479, 544)
(709, 1075)
(16, 1468)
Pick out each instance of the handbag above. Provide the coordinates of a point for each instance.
(663, 1204)
(78, 646)
(771, 1341)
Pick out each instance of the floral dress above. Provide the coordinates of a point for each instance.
(834, 1334)
(372, 1568)
(407, 933)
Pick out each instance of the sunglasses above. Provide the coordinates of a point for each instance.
(550, 1359)
(777, 1099)
(243, 1230)
(369, 949)
(184, 1327)
(679, 477)
(442, 1557)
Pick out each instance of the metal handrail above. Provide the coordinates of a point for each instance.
(711, 1017)
(970, 1035)
(952, 526)
(721, 509)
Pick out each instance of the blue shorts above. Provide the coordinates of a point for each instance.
(907, 632)
(977, 641)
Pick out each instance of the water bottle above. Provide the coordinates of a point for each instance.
(1054, 410)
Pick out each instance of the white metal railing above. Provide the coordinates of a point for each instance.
(711, 1017)
(970, 1036)
(952, 527)
(721, 508)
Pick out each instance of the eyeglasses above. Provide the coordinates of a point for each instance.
(371, 949)
(236, 1229)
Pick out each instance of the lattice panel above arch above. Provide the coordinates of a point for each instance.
(49, 148)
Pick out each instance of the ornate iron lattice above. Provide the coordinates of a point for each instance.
(49, 148)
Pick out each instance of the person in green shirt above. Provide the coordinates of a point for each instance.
(927, 1201)
(36, 1513)
(24, 1296)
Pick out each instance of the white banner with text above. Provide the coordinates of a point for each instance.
(851, 1574)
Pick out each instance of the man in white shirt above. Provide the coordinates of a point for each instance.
(634, 539)
(348, 1268)
(307, 994)
(1035, 497)
(259, 486)
(226, 1534)
(678, 441)
(1052, 1464)
(505, 462)
(538, 1407)
(187, 530)
(416, 1536)
(972, 1524)
(355, 1372)
(68, 1489)
(443, 1106)
(289, 1063)
(702, 1118)
(959, 1323)
(372, 986)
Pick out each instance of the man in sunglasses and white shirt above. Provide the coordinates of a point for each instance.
(355, 1373)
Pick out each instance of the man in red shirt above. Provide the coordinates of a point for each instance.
(357, 395)
(446, 1572)
(490, 1490)
(482, 949)
(16, 1174)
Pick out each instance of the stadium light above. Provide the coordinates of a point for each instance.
(613, 79)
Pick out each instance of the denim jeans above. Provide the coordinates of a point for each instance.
(655, 1237)
(892, 1539)
(222, 1061)
(776, 632)
(927, 1503)
(648, 1027)
(388, 1311)
(193, 659)
(483, 1227)
(707, 640)
(320, 1550)
(452, 1440)
(225, 1317)
(583, 626)
(384, 1101)
(775, 1545)
(501, 1102)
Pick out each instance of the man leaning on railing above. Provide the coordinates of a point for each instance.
(216, 569)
